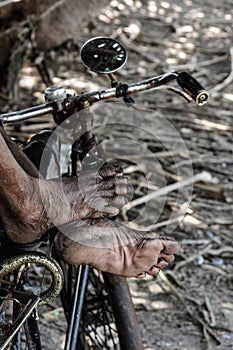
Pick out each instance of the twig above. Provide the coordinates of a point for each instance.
(208, 125)
(135, 48)
(51, 8)
(227, 81)
(194, 241)
(220, 251)
(212, 320)
(216, 269)
(203, 176)
(135, 226)
(197, 65)
(7, 2)
(207, 337)
(189, 310)
(193, 257)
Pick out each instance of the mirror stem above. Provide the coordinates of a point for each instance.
(114, 81)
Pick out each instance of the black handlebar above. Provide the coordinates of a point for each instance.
(193, 88)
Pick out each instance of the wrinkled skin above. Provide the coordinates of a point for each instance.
(30, 206)
(111, 247)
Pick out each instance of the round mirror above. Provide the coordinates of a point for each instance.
(103, 55)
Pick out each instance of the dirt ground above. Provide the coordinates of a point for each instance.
(189, 306)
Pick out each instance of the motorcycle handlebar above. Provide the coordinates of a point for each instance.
(56, 96)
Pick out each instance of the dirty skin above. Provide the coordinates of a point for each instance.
(80, 209)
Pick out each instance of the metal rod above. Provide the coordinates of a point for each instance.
(28, 308)
(77, 304)
(132, 88)
(26, 113)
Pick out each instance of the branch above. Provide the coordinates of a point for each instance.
(7, 2)
(228, 80)
(203, 176)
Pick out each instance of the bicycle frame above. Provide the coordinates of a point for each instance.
(62, 105)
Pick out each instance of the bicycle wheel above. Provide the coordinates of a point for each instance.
(108, 320)
(26, 280)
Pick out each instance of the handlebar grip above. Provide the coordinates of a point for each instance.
(193, 88)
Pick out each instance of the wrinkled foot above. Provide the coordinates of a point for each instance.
(30, 205)
(38, 205)
(112, 247)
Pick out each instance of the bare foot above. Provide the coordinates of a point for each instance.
(112, 247)
(30, 205)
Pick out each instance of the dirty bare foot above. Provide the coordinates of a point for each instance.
(31, 205)
(111, 247)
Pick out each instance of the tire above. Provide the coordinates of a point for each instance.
(21, 291)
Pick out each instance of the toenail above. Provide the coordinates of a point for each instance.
(141, 275)
(162, 263)
(155, 268)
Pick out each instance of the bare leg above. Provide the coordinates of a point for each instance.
(112, 247)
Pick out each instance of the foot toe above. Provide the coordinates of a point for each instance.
(161, 263)
(166, 257)
(154, 270)
(141, 275)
